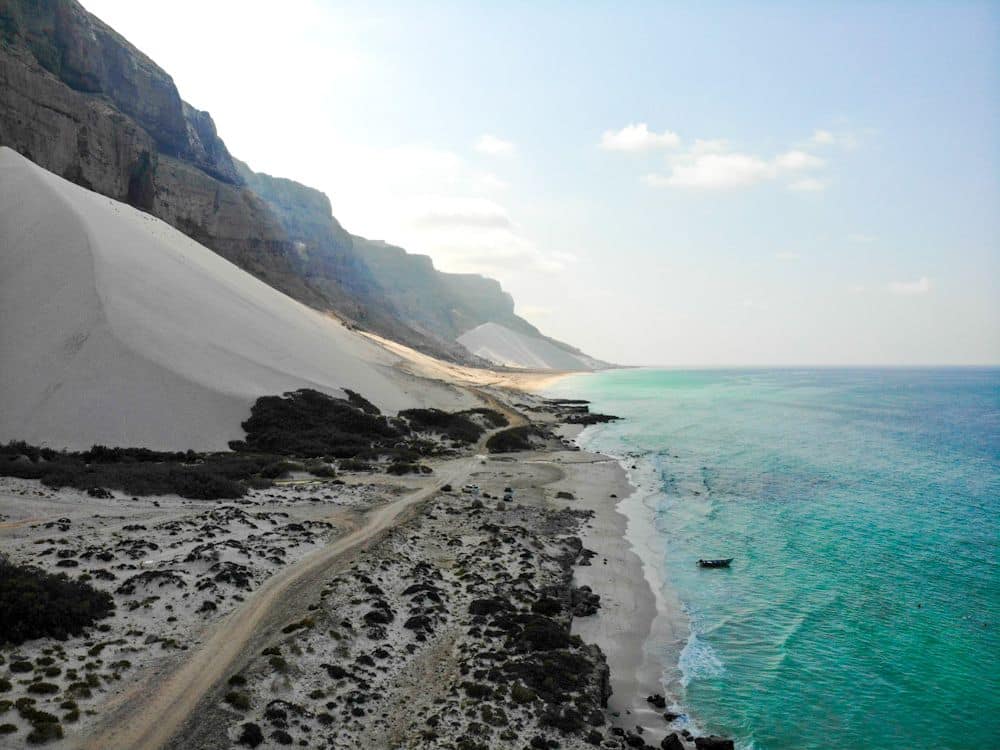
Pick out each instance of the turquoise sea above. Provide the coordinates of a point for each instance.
(862, 508)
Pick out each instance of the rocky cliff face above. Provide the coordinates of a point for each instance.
(79, 100)
(438, 303)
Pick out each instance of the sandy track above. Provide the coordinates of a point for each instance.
(155, 710)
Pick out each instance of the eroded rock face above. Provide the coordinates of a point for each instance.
(79, 100)
(89, 57)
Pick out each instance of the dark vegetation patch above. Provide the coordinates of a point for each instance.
(512, 439)
(37, 604)
(407, 467)
(312, 424)
(138, 471)
(303, 424)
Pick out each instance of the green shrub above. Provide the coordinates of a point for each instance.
(313, 424)
(455, 426)
(45, 732)
(43, 688)
(238, 699)
(404, 467)
(38, 605)
(521, 694)
(512, 439)
(306, 622)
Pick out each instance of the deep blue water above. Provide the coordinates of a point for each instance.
(861, 507)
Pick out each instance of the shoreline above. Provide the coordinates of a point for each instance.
(638, 627)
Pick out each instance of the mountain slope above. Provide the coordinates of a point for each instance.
(116, 328)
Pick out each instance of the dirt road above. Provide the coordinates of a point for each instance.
(154, 710)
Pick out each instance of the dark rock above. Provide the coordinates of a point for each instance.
(250, 735)
(657, 701)
(672, 742)
(418, 622)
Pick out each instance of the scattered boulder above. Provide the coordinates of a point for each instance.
(657, 701)
(672, 742)
(250, 735)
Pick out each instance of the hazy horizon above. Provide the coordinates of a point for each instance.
(669, 186)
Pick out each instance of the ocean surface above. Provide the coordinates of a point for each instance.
(862, 508)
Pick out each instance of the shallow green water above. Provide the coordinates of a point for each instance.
(862, 510)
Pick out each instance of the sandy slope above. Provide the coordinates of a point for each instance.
(425, 366)
(503, 346)
(115, 328)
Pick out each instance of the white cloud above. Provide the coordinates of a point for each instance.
(823, 137)
(795, 159)
(494, 146)
(842, 139)
(638, 137)
(920, 286)
(807, 185)
(708, 165)
(856, 288)
(710, 146)
(787, 255)
(489, 182)
(716, 172)
(455, 212)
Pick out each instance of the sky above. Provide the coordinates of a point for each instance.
(696, 184)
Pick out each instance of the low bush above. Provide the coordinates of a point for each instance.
(44, 732)
(43, 688)
(238, 700)
(353, 464)
(38, 604)
(312, 424)
(512, 439)
(404, 467)
(250, 735)
(134, 471)
(456, 426)
(491, 416)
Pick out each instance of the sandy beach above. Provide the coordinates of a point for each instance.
(391, 528)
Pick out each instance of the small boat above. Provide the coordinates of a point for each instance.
(723, 563)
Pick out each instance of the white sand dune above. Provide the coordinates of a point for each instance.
(116, 328)
(502, 346)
